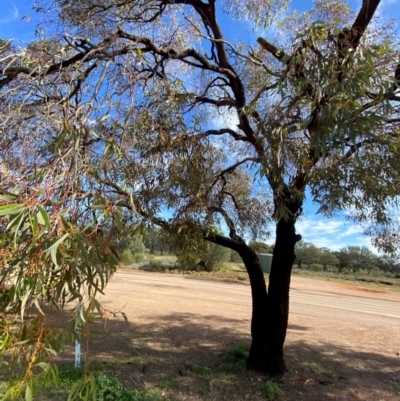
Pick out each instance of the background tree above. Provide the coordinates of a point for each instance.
(131, 248)
(134, 107)
(306, 253)
(156, 241)
(213, 257)
(358, 258)
(342, 256)
(261, 247)
(390, 263)
(327, 258)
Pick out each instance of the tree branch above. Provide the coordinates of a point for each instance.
(229, 131)
(231, 168)
(362, 21)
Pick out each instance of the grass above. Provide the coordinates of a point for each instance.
(271, 391)
(166, 383)
(236, 352)
(200, 370)
(315, 368)
(68, 374)
(235, 359)
(222, 380)
(204, 391)
(380, 281)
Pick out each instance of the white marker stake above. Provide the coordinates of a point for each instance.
(78, 344)
(77, 354)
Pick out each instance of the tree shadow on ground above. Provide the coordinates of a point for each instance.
(167, 347)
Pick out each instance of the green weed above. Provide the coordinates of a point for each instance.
(271, 390)
(313, 367)
(200, 370)
(68, 374)
(104, 386)
(204, 391)
(235, 359)
(236, 353)
(233, 367)
(109, 388)
(166, 383)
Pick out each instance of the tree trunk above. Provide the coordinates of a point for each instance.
(270, 309)
(259, 318)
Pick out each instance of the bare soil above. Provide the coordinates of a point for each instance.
(175, 341)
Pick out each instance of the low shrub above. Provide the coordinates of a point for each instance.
(315, 267)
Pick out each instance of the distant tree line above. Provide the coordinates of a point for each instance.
(352, 258)
(141, 245)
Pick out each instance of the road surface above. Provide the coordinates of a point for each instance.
(181, 289)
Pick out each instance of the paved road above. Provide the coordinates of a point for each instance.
(176, 289)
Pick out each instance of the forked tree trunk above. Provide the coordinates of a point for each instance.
(271, 310)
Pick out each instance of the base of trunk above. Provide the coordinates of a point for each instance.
(265, 360)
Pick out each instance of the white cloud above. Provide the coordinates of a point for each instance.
(351, 230)
(314, 227)
(333, 233)
(11, 15)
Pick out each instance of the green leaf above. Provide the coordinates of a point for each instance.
(6, 210)
(36, 302)
(58, 242)
(5, 342)
(34, 224)
(60, 139)
(98, 207)
(22, 342)
(24, 300)
(82, 314)
(52, 351)
(53, 255)
(15, 221)
(7, 196)
(28, 393)
(96, 305)
(43, 218)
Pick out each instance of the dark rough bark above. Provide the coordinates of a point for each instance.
(363, 19)
(270, 308)
(259, 319)
(270, 316)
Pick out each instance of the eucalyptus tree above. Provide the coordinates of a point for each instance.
(328, 258)
(390, 264)
(164, 115)
(359, 258)
(306, 253)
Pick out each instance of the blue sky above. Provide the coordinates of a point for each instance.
(17, 22)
